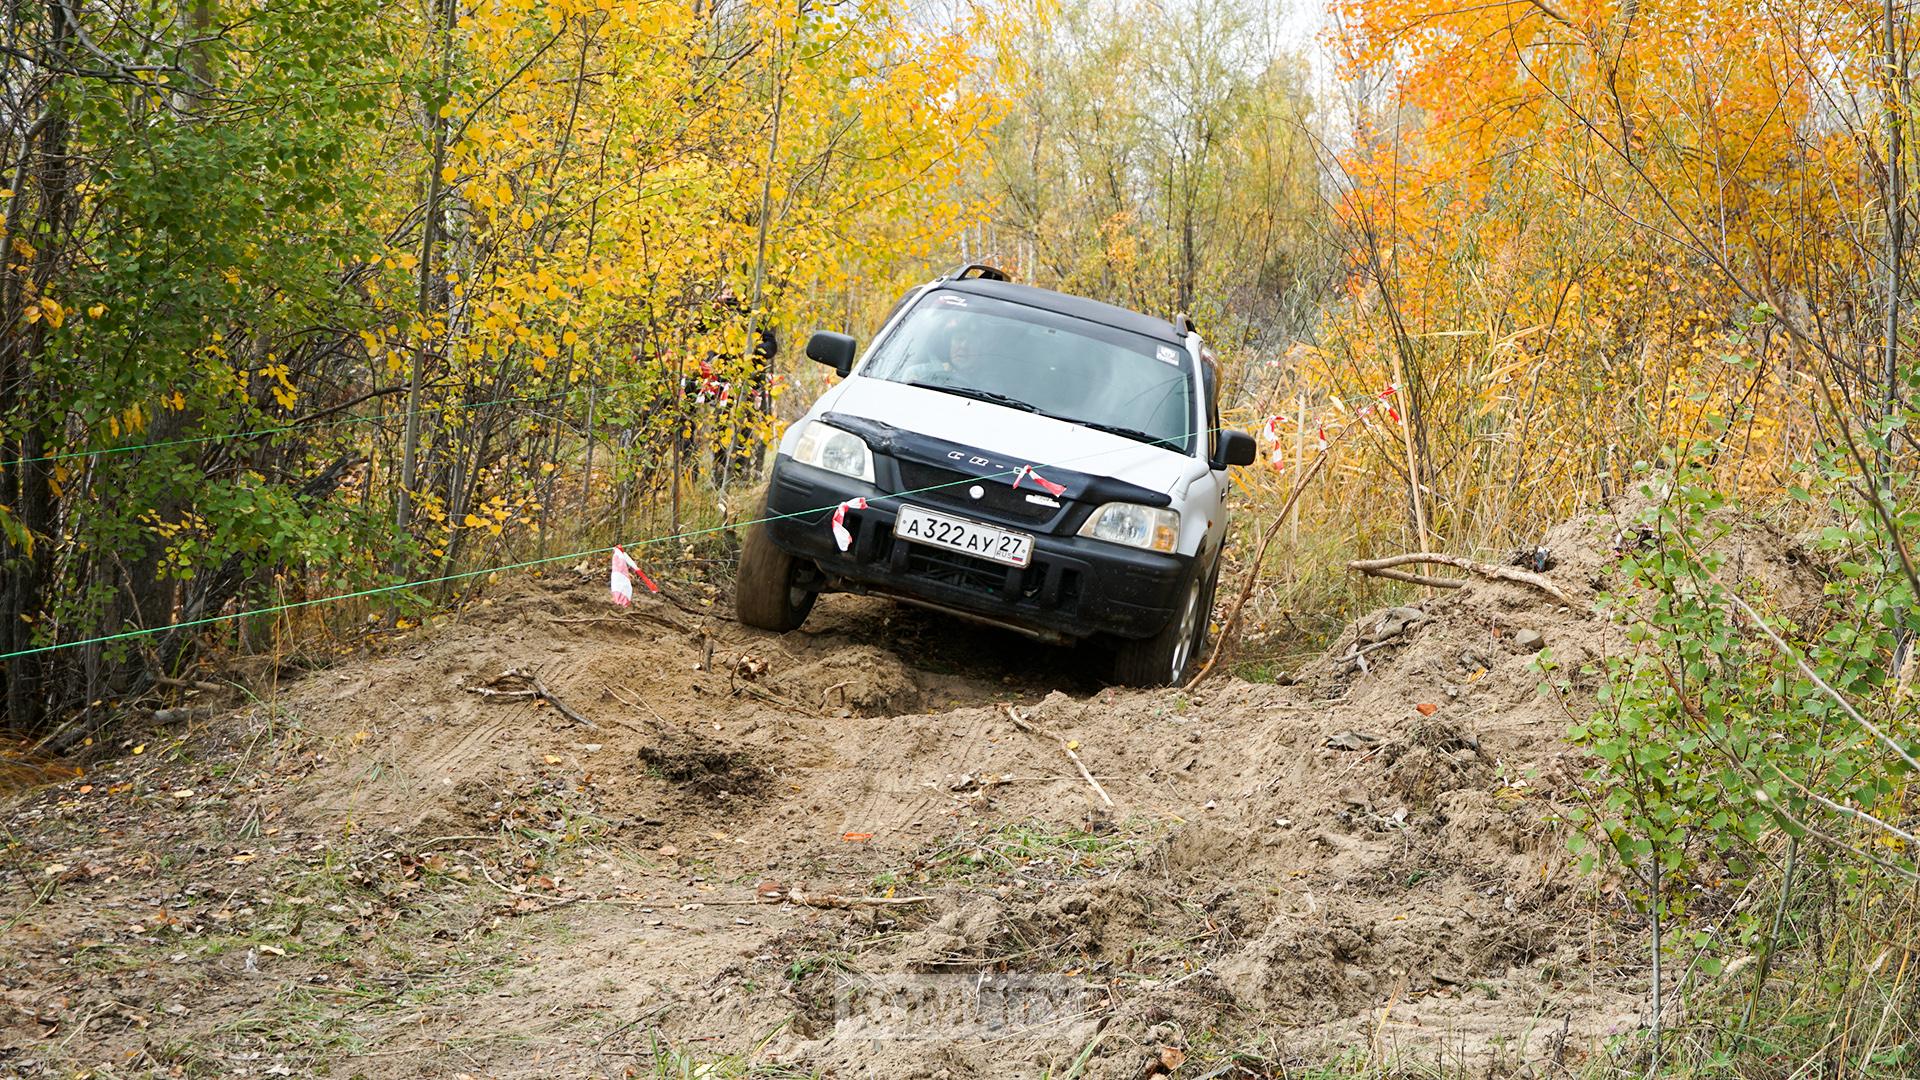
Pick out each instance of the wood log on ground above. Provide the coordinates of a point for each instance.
(529, 686)
(1387, 568)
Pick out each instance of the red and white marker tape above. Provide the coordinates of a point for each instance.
(1272, 431)
(1027, 473)
(622, 583)
(840, 534)
(1383, 400)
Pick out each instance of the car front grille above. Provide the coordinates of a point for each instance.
(953, 568)
(1043, 583)
(945, 487)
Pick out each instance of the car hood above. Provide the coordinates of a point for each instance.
(1013, 435)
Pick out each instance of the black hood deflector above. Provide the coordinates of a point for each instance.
(901, 444)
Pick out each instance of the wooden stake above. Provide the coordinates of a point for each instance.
(1406, 441)
(1299, 455)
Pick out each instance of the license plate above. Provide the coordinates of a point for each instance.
(967, 537)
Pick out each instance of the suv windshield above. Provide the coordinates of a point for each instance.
(1045, 362)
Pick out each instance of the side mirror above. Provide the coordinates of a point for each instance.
(1236, 448)
(834, 350)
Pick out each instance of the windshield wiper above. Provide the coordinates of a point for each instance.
(980, 395)
(1130, 433)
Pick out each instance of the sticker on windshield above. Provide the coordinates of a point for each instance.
(954, 301)
(1166, 355)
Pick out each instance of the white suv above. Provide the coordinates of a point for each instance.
(1011, 455)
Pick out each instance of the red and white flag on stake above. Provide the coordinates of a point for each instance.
(1272, 431)
(1386, 397)
(1027, 473)
(840, 534)
(622, 582)
(1320, 439)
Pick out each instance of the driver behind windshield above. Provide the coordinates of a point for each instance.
(947, 354)
(1041, 361)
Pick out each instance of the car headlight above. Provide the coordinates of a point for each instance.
(827, 447)
(1150, 527)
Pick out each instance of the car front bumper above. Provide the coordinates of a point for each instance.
(1072, 588)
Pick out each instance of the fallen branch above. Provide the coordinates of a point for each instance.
(632, 704)
(1362, 650)
(771, 697)
(627, 623)
(1066, 747)
(696, 612)
(849, 902)
(490, 692)
(565, 709)
(824, 900)
(1420, 579)
(534, 688)
(996, 781)
(187, 684)
(828, 900)
(1384, 568)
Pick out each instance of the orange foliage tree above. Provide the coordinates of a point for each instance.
(1591, 229)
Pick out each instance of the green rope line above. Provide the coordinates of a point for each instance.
(259, 432)
(463, 575)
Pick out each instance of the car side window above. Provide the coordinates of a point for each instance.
(1210, 387)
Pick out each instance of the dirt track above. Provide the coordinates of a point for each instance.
(384, 873)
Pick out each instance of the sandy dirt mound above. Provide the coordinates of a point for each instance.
(864, 680)
(708, 844)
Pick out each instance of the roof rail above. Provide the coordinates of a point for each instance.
(1183, 322)
(966, 270)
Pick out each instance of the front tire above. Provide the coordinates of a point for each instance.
(765, 590)
(1163, 659)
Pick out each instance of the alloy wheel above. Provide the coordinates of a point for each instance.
(1189, 617)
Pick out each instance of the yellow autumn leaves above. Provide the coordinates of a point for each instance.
(46, 308)
(499, 512)
(606, 164)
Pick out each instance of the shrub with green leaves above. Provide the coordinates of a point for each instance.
(1734, 727)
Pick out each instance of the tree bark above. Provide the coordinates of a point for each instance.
(754, 361)
(1896, 217)
(429, 229)
(25, 483)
